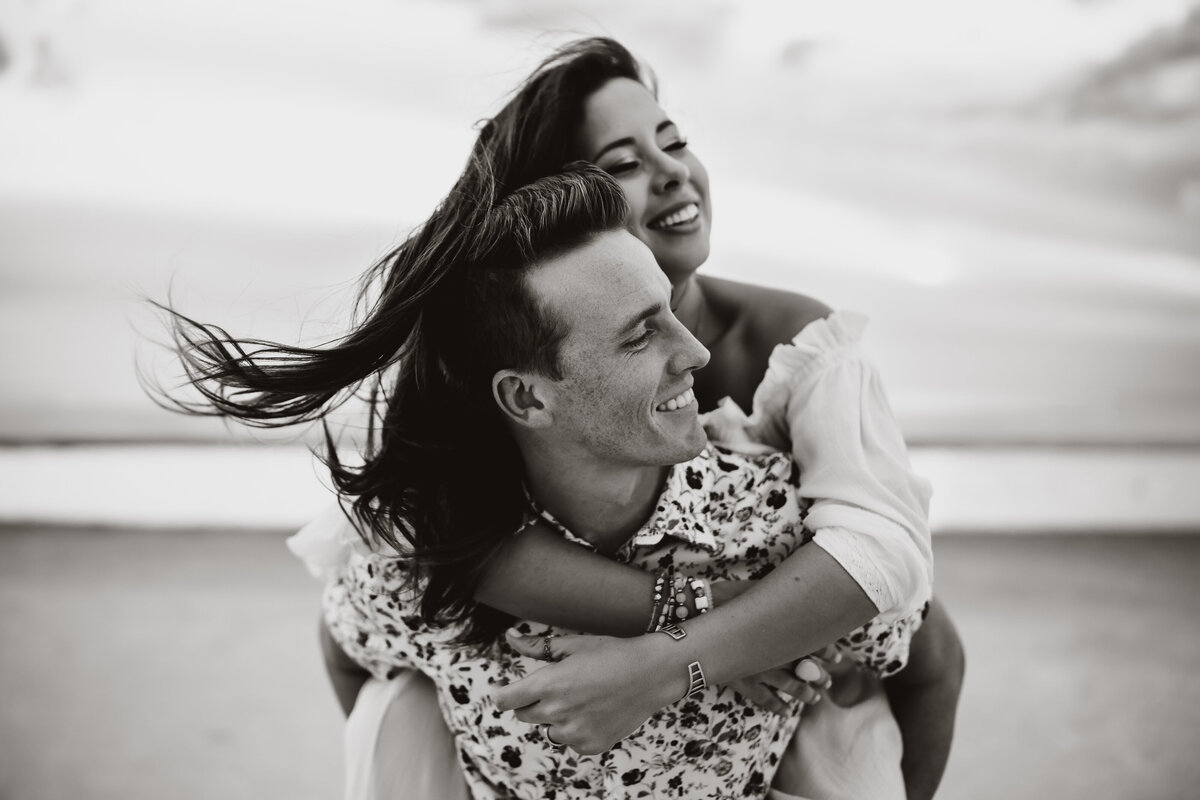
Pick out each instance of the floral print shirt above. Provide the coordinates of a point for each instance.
(721, 516)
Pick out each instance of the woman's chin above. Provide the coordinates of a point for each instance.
(682, 263)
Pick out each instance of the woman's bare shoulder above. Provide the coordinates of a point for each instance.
(764, 313)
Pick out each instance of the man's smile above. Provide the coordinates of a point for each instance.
(683, 400)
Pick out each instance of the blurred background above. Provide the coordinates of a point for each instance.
(1010, 190)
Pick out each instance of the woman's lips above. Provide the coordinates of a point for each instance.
(677, 218)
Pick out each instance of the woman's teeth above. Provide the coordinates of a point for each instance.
(675, 403)
(685, 214)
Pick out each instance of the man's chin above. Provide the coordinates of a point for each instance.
(692, 447)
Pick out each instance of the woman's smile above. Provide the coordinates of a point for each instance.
(681, 219)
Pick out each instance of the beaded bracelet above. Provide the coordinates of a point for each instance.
(670, 598)
(701, 595)
(665, 607)
(679, 598)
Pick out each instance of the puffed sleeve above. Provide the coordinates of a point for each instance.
(869, 510)
(326, 543)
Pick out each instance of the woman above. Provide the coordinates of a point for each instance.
(591, 100)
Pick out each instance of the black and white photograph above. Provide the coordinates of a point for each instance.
(481, 399)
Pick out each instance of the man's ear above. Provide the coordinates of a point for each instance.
(522, 398)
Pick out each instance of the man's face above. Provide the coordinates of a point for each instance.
(626, 396)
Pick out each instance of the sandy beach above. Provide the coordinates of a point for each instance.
(141, 665)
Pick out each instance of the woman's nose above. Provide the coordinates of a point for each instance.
(671, 173)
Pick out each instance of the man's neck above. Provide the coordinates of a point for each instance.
(599, 503)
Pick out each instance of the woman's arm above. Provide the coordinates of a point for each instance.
(540, 576)
(604, 688)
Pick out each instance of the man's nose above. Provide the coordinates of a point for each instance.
(690, 354)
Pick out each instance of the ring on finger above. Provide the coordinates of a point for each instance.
(547, 654)
(545, 729)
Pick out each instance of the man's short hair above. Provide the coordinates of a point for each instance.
(502, 323)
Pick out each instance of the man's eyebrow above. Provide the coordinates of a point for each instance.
(628, 140)
(639, 318)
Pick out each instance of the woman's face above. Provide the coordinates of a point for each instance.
(628, 135)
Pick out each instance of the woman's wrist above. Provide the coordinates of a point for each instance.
(677, 597)
(664, 667)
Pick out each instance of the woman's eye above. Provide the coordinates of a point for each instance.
(622, 168)
(679, 145)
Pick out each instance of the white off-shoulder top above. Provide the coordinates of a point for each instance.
(823, 400)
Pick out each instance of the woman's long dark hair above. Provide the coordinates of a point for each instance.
(440, 479)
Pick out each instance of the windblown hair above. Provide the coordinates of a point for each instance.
(441, 477)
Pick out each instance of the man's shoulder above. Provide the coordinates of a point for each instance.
(733, 505)
(753, 472)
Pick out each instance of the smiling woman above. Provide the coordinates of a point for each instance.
(626, 133)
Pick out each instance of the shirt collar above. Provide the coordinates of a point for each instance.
(682, 509)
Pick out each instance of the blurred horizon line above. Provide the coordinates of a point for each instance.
(977, 489)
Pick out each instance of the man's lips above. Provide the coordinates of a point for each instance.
(680, 401)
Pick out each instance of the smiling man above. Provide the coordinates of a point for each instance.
(623, 408)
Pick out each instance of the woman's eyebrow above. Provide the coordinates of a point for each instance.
(628, 140)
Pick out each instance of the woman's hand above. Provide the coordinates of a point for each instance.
(803, 680)
(600, 690)
(806, 680)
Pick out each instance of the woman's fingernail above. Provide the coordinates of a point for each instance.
(807, 671)
(828, 682)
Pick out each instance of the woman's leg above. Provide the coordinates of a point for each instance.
(397, 746)
(844, 752)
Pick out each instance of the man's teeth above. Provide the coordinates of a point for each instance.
(675, 403)
(685, 214)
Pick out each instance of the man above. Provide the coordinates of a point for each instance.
(599, 424)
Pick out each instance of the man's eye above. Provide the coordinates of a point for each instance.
(641, 341)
